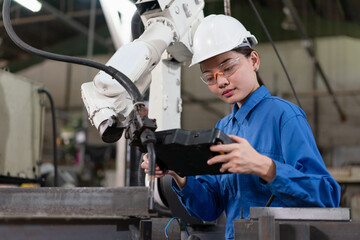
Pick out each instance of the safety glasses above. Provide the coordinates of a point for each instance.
(226, 69)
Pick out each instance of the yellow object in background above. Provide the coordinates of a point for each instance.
(29, 185)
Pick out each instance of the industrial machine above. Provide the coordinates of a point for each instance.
(18, 167)
(167, 39)
(156, 59)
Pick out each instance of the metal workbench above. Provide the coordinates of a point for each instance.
(122, 213)
(80, 213)
(297, 224)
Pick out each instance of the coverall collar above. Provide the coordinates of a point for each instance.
(241, 113)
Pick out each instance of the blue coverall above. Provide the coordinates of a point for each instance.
(275, 128)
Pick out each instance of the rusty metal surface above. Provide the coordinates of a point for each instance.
(312, 214)
(76, 229)
(81, 203)
(245, 229)
(59, 232)
(298, 230)
(69, 229)
(266, 228)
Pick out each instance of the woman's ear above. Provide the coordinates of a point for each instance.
(255, 60)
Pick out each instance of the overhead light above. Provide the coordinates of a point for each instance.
(32, 5)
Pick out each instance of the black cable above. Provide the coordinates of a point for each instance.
(42, 90)
(120, 77)
(270, 200)
(311, 52)
(274, 47)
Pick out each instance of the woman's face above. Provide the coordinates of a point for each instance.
(241, 84)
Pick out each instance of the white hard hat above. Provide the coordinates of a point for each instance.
(217, 34)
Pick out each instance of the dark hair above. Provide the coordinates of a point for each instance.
(246, 51)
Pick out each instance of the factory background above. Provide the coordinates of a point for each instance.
(78, 28)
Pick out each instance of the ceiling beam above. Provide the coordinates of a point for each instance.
(49, 17)
(76, 25)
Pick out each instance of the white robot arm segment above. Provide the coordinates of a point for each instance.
(105, 97)
(169, 25)
(135, 59)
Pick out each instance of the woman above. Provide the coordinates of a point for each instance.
(274, 150)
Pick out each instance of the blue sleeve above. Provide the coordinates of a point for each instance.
(302, 180)
(201, 197)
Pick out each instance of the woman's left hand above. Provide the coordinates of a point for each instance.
(240, 157)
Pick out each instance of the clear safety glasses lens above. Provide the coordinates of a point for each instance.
(226, 70)
(208, 80)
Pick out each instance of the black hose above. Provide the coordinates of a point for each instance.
(152, 158)
(153, 206)
(140, 174)
(42, 90)
(120, 77)
(136, 26)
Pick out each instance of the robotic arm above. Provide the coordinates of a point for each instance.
(169, 25)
